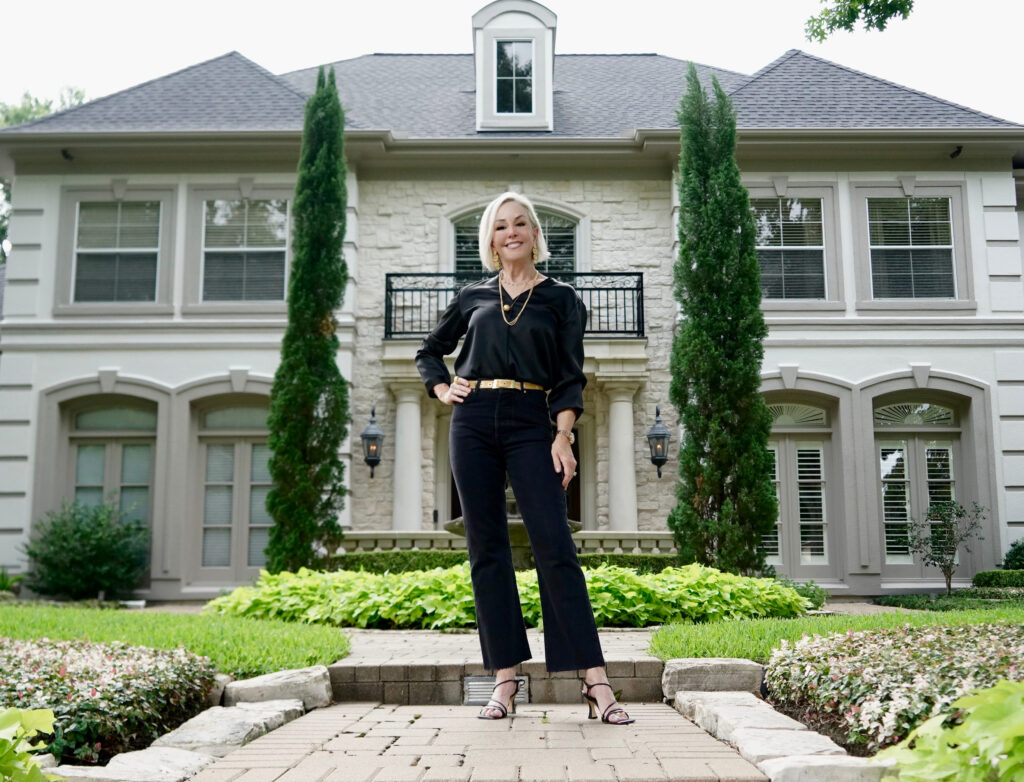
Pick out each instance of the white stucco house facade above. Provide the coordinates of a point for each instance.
(144, 300)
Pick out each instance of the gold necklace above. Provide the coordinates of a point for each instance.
(506, 307)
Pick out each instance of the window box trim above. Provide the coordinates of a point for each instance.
(487, 80)
(70, 197)
(197, 195)
(834, 300)
(962, 267)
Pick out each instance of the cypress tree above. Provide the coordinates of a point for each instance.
(309, 400)
(726, 500)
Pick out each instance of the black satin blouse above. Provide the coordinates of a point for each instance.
(544, 347)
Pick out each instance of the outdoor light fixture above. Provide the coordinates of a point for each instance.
(658, 437)
(373, 441)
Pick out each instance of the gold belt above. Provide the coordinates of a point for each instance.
(504, 383)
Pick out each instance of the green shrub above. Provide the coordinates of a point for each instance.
(17, 728)
(240, 647)
(984, 743)
(396, 561)
(994, 593)
(1014, 559)
(106, 698)
(85, 551)
(10, 583)
(870, 689)
(444, 598)
(816, 595)
(641, 563)
(999, 578)
(958, 601)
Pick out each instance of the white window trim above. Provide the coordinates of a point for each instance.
(486, 99)
(962, 269)
(498, 40)
(67, 243)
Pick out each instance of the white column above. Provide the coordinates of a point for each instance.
(406, 513)
(621, 457)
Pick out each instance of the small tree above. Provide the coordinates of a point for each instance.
(309, 400)
(87, 551)
(726, 500)
(938, 538)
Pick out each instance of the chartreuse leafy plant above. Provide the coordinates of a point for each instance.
(982, 742)
(444, 598)
(17, 729)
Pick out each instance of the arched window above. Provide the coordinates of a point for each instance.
(799, 445)
(559, 230)
(235, 474)
(112, 442)
(917, 444)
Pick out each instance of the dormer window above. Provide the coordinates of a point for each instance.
(514, 57)
(514, 67)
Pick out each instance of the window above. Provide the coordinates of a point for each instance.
(514, 69)
(916, 444)
(911, 246)
(117, 244)
(115, 251)
(112, 453)
(245, 247)
(790, 247)
(234, 459)
(559, 231)
(799, 447)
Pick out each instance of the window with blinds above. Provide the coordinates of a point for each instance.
(559, 231)
(117, 247)
(790, 247)
(771, 542)
(514, 77)
(911, 248)
(245, 249)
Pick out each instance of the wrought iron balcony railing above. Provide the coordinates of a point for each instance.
(614, 300)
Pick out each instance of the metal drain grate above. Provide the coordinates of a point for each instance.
(476, 690)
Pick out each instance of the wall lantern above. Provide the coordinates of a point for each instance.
(373, 441)
(658, 437)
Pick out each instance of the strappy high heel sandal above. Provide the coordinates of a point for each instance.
(498, 705)
(613, 707)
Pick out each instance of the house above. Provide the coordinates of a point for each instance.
(144, 302)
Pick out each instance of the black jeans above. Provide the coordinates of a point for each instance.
(494, 431)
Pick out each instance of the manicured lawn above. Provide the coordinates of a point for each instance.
(754, 639)
(240, 647)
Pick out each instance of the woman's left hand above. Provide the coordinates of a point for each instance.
(563, 460)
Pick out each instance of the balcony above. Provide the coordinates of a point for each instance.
(614, 301)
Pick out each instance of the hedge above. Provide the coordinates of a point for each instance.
(999, 578)
(407, 560)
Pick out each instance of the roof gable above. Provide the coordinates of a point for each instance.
(799, 90)
(227, 93)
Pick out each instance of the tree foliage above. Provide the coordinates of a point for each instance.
(844, 15)
(29, 109)
(939, 537)
(726, 500)
(309, 401)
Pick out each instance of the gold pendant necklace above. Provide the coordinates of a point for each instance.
(506, 307)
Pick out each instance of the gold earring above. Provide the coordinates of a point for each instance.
(534, 254)
(496, 259)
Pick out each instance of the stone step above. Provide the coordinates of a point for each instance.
(440, 682)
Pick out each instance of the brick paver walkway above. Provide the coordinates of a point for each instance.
(368, 742)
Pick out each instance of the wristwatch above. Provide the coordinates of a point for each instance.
(568, 435)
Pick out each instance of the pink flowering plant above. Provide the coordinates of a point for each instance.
(869, 689)
(106, 698)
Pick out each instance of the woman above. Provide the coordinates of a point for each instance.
(523, 337)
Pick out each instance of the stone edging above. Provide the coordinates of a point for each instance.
(722, 696)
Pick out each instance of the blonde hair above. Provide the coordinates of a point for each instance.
(490, 216)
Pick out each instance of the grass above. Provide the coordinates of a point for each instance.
(754, 639)
(239, 647)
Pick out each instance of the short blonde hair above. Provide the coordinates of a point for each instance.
(490, 216)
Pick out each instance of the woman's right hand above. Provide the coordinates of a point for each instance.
(454, 393)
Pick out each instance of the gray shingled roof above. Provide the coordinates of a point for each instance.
(228, 93)
(799, 90)
(433, 96)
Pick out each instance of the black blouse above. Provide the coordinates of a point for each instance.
(544, 347)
